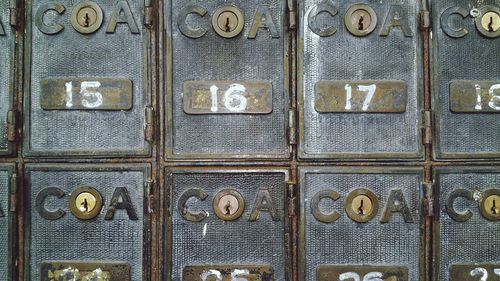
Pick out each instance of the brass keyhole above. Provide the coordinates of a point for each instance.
(360, 23)
(85, 205)
(86, 20)
(86, 202)
(362, 205)
(490, 25)
(228, 208)
(228, 26)
(360, 209)
(494, 209)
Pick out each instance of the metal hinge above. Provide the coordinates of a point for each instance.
(428, 199)
(425, 20)
(148, 14)
(14, 14)
(292, 200)
(291, 131)
(426, 127)
(149, 128)
(11, 126)
(149, 186)
(13, 193)
(292, 14)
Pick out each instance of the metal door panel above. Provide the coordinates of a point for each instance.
(381, 123)
(200, 241)
(6, 74)
(221, 126)
(112, 240)
(331, 243)
(7, 227)
(81, 73)
(457, 45)
(468, 240)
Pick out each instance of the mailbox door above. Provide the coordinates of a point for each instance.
(6, 76)
(359, 80)
(7, 218)
(87, 87)
(86, 221)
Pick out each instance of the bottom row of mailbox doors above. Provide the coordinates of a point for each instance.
(91, 222)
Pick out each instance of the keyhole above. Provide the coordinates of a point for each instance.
(361, 27)
(494, 209)
(87, 20)
(228, 208)
(360, 209)
(228, 26)
(85, 205)
(490, 29)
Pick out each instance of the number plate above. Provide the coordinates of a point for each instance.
(86, 94)
(223, 97)
(360, 96)
(227, 272)
(362, 272)
(475, 272)
(475, 96)
(82, 271)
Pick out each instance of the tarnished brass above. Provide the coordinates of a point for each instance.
(83, 271)
(85, 203)
(87, 17)
(467, 96)
(361, 205)
(227, 97)
(490, 204)
(371, 96)
(228, 21)
(475, 272)
(361, 272)
(86, 94)
(228, 272)
(360, 20)
(228, 204)
(488, 24)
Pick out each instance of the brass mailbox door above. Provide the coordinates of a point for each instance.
(226, 80)
(226, 224)
(87, 83)
(360, 223)
(7, 39)
(359, 80)
(86, 221)
(466, 79)
(7, 227)
(466, 243)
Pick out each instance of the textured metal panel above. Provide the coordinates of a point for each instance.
(5, 223)
(6, 71)
(67, 54)
(343, 56)
(220, 243)
(213, 58)
(100, 239)
(472, 57)
(475, 241)
(395, 243)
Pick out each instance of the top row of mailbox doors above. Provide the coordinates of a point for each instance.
(226, 76)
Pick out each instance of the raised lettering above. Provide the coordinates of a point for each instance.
(396, 203)
(40, 14)
(185, 28)
(395, 19)
(40, 203)
(183, 209)
(124, 204)
(263, 19)
(315, 210)
(263, 203)
(122, 14)
(455, 215)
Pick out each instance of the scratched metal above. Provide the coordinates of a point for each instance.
(73, 240)
(63, 133)
(344, 242)
(227, 243)
(6, 71)
(472, 57)
(474, 241)
(213, 58)
(5, 225)
(344, 56)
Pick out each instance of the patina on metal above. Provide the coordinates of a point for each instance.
(361, 272)
(228, 272)
(227, 97)
(360, 96)
(85, 270)
(467, 96)
(85, 203)
(86, 94)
